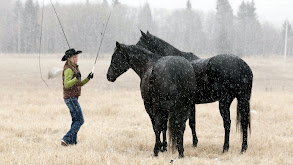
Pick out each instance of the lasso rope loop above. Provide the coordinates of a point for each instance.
(41, 34)
(41, 45)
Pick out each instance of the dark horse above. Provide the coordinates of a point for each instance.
(220, 78)
(167, 85)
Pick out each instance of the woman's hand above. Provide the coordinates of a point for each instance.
(90, 76)
(78, 75)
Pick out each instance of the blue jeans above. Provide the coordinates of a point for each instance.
(77, 119)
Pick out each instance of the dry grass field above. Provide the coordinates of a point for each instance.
(117, 130)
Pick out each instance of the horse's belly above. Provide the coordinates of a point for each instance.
(167, 104)
(208, 93)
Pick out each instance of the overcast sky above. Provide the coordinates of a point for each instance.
(274, 11)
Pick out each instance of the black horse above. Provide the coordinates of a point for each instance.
(167, 86)
(220, 78)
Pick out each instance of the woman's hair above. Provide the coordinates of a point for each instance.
(69, 62)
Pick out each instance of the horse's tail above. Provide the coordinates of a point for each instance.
(243, 98)
(174, 129)
(243, 114)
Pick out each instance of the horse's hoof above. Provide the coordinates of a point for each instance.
(163, 149)
(181, 155)
(156, 152)
(244, 148)
(195, 143)
(225, 150)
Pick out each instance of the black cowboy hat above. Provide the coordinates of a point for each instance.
(69, 53)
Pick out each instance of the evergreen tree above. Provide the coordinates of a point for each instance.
(249, 35)
(184, 30)
(116, 2)
(30, 31)
(189, 7)
(290, 30)
(224, 27)
(254, 32)
(6, 27)
(145, 19)
(193, 33)
(18, 10)
(210, 34)
(289, 38)
(105, 2)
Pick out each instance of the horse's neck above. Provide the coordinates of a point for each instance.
(197, 58)
(167, 48)
(140, 63)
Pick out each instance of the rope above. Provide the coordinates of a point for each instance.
(41, 45)
(103, 34)
(60, 24)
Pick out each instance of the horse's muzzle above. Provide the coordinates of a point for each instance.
(110, 78)
(110, 75)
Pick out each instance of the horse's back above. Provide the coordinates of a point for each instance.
(231, 68)
(230, 74)
(219, 75)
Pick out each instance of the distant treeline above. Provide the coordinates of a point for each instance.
(187, 29)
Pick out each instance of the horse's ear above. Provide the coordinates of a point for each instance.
(142, 34)
(148, 33)
(118, 45)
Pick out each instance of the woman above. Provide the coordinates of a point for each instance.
(71, 91)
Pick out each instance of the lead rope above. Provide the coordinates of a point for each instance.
(103, 33)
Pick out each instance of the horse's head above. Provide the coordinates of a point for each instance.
(151, 43)
(119, 62)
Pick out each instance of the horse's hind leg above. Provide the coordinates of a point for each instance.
(224, 106)
(165, 123)
(244, 110)
(158, 128)
(181, 124)
(192, 122)
(180, 141)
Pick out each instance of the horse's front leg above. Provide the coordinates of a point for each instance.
(149, 109)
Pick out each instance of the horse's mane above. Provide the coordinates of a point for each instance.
(144, 52)
(166, 44)
(161, 41)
